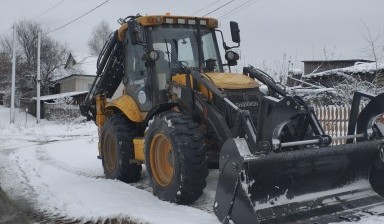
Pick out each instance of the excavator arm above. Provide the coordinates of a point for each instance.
(110, 71)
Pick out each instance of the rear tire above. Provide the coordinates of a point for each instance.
(176, 158)
(117, 149)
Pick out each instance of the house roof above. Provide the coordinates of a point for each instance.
(73, 75)
(79, 64)
(365, 68)
(87, 63)
(60, 95)
(340, 60)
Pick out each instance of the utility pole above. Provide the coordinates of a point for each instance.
(13, 86)
(38, 78)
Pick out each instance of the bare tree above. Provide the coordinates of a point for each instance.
(282, 68)
(375, 51)
(5, 72)
(53, 56)
(99, 36)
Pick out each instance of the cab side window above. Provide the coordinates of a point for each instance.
(136, 75)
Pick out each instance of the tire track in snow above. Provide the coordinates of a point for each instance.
(21, 210)
(45, 158)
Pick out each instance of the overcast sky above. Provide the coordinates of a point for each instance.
(301, 29)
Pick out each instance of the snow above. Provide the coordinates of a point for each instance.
(309, 90)
(54, 166)
(60, 95)
(87, 63)
(169, 122)
(84, 65)
(360, 184)
(295, 71)
(357, 68)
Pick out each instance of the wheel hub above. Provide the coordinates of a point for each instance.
(162, 160)
(110, 157)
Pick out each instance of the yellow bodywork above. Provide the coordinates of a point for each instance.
(168, 19)
(121, 31)
(232, 81)
(221, 81)
(100, 115)
(128, 106)
(138, 144)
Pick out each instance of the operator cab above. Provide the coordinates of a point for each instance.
(159, 48)
(175, 40)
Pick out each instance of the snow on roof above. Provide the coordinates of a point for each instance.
(86, 63)
(60, 95)
(339, 60)
(357, 68)
(309, 90)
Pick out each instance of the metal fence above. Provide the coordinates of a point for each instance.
(61, 111)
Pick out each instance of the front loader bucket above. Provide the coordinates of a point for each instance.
(314, 185)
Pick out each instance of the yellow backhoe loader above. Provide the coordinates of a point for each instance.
(180, 113)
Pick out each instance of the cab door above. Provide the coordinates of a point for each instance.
(136, 79)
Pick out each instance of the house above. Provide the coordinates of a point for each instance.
(333, 82)
(80, 75)
(371, 72)
(81, 72)
(71, 87)
(316, 66)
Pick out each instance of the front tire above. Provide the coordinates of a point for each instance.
(117, 149)
(176, 158)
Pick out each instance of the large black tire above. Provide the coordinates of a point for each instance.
(117, 149)
(176, 158)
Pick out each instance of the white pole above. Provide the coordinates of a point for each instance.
(38, 79)
(13, 86)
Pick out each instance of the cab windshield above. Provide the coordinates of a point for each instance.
(179, 43)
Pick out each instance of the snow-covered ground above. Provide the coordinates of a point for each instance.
(54, 167)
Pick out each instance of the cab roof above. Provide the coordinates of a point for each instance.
(154, 20)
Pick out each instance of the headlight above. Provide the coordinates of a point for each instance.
(153, 55)
(231, 56)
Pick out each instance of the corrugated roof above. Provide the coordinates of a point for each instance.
(367, 68)
(340, 60)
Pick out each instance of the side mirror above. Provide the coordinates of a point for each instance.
(135, 33)
(235, 31)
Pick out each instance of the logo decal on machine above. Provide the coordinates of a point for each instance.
(142, 97)
(247, 104)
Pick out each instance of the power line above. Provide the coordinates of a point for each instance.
(81, 16)
(219, 7)
(234, 10)
(54, 6)
(206, 7)
(44, 12)
(239, 8)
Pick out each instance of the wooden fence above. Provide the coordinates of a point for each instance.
(334, 120)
